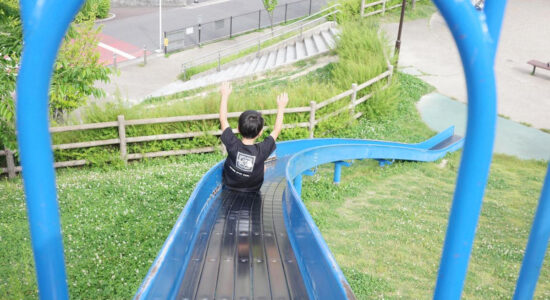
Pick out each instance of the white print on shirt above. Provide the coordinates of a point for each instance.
(245, 162)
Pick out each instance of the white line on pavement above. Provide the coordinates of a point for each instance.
(115, 50)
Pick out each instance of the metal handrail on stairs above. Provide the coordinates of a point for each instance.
(247, 44)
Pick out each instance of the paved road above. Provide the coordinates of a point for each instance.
(140, 26)
(427, 45)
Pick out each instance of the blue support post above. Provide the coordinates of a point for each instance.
(338, 170)
(476, 41)
(536, 246)
(384, 162)
(44, 25)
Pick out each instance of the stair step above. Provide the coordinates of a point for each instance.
(252, 65)
(271, 60)
(319, 43)
(261, 64)
(310, 46)
(241, 68)
(281, 56)
(328, 39)
(334, 31)
(290, 53)
(300, 50)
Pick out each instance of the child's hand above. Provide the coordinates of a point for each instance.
(226, 89)
(282, 100)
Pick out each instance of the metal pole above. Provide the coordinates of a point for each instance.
(309, 8)
(536, 246)
(199, 34)
(160, 25)
(259, 18)
(286, 10)
(398, 41)
(231, 27)
(144, 54)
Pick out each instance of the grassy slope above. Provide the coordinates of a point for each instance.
(386, 226)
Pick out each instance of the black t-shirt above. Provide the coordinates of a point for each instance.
(244, 167)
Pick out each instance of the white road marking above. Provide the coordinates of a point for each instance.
(115, 50)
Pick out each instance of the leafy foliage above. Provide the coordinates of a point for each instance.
(75, 71)
(93, 9)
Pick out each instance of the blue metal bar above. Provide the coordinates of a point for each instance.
(44, 25)
(536, 246)
(476, 46)
(494, 13)
(338, 170)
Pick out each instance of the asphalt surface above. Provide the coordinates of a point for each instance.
(140, 26)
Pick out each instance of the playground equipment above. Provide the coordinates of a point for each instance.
(476, 34)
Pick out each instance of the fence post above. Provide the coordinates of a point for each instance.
(383, 7)
(362, 8)
(10, 163)
(286, 9)
(413, 2)
(312, 106)
(259, 18)
(353, 98)
(122, 137)
(230, 26)
(199, 32)
(145, 54)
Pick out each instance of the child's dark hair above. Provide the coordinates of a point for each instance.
(250, 124)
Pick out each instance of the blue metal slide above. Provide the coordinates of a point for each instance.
(228, 245)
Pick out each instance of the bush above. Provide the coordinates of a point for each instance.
(93, 9)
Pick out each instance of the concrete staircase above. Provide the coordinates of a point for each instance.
(311, 43)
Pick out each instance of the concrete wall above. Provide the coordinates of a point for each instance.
(131, 3)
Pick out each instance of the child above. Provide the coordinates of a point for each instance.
(243, 170)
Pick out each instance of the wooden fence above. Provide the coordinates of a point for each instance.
(122, 140)
(379, 7)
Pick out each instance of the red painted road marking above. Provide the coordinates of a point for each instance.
(108, 46)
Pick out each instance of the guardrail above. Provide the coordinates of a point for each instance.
(264, 39)
(381, 6)
(197, 34)
(122, 140)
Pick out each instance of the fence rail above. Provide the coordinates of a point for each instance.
(380, 6)
(11, 169)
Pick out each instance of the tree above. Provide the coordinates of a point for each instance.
(269, 6)
(76, 70)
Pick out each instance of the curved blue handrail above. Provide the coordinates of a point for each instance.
(44, 25)
(476, 34)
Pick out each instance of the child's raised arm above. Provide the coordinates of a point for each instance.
(225, 90)
(282, 101)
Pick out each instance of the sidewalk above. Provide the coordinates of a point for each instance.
(512, 138)
(428, 46)
(135, 81)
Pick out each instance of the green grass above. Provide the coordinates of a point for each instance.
(114, 223)
(385, 226)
